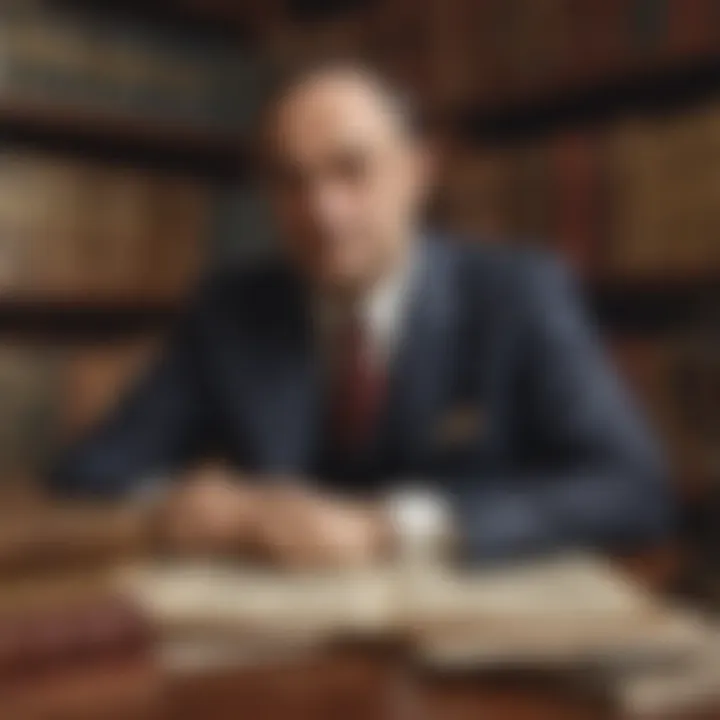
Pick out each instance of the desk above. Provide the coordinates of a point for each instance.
(360, 682)
(343, 684)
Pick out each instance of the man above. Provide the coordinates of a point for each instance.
(379, 386)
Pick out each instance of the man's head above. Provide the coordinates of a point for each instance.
(347, 174)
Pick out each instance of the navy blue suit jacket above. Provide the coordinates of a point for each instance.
(553, 455)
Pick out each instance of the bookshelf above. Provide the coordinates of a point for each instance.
(652, 307)
(441, 51)
(118, 133)
(96, 132)
(645, 86)
(670, 88)
(84, 320)
(649, 88)
(228, 18)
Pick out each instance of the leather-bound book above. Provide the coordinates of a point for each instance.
(693, 27)
(50, 624)
(579, 199)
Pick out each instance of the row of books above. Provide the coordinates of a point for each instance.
(454, 51)
(504, 50)
(55, 54)
(460, 51)
(640, 198)
(78, 230)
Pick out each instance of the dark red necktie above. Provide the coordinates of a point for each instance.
(358, 388)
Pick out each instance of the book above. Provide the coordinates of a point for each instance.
(568, 613)
(28, 414)
(664, 192)
(400, 42)
(52, 624)
(693, 26)
(81, 230)
(463, 61)
(578, 227)
(58, 53)
(675, 688)
(558, 610)
(637, 199)
(483, 191)
(181, 217)
(649, 23)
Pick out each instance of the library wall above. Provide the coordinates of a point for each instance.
(590, 127)
(116, 132)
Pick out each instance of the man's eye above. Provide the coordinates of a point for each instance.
(351, 167)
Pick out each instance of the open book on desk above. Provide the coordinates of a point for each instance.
(579, 610)
(559, 610)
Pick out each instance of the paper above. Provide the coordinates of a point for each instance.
(568, 611)
(254, 601)
(674, 687)
(557, 610)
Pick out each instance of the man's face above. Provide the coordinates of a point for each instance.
(346, 181)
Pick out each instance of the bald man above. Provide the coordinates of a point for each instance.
(377, 388)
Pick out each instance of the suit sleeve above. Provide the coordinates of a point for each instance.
(590, 474)
(156, 427)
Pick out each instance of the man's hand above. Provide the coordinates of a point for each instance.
(300, 529)
(210, 512)
(213, 512)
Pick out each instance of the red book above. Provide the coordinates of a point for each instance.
(578, 184)
(74, 633)
(605, 29)
(693, 27)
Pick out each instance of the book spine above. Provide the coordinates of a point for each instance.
(577, 190)
(62, 636)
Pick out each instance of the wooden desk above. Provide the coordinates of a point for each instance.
(338, 685)
(349, 683)
(343, 684)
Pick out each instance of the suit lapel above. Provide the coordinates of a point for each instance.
(287, 399)
(423, 370)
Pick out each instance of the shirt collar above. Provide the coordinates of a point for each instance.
(382, 309)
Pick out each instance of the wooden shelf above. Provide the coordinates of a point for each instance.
(233, 19)
(66, 318)
(656, 305)
(243, 17)
(638, 306)
(123, 136)
(655, 90)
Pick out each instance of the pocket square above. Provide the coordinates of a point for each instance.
(460, 425)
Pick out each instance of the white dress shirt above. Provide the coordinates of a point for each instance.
(382, 312)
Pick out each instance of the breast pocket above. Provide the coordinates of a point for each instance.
(460, 439)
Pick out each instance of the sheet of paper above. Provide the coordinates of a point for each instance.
(559, 610)
(577, 609)
(678, 687)
(255, 601)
